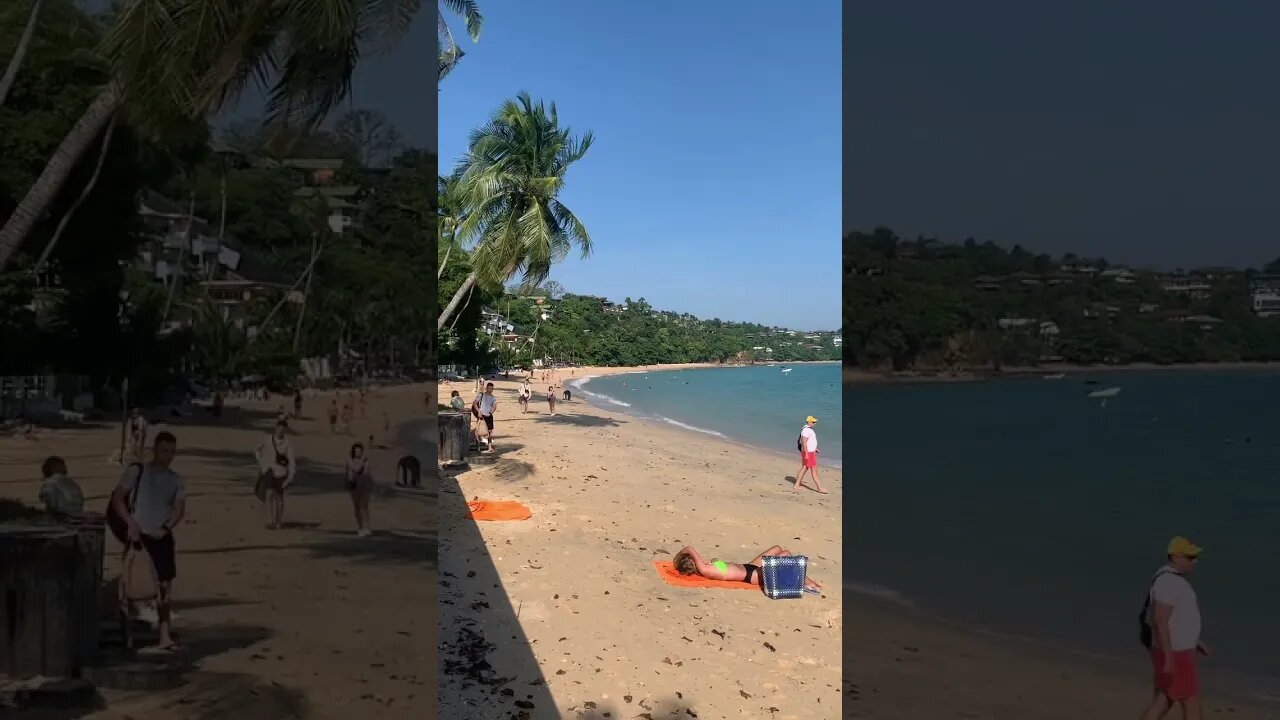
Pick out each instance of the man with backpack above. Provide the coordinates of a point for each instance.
(1170, 629)
(145, 507)
(807, 445)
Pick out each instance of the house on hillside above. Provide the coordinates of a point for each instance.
(1121, 276)
(188, 247)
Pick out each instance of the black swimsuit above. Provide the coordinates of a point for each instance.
(751, 570)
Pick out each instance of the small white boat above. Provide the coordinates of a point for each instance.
(786, 370)
(1105, 393)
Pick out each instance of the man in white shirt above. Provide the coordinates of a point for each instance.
(807, 444)
(484, 406)
(1174, 618)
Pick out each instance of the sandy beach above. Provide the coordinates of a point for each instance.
(563, 615)
(304, 622)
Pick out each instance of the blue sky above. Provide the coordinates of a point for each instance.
(713, 186)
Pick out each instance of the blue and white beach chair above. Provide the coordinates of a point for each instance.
(784, 576)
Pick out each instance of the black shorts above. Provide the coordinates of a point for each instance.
(162, 555)
(488, 421)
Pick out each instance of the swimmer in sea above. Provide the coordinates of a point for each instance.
(689, 562)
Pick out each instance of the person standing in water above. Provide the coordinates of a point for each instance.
(360, 486)
(807, 444)
(277, 469)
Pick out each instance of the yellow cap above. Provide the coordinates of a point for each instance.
(1183, 547)
(811, 419)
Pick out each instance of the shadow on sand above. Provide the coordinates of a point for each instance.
(485, 659)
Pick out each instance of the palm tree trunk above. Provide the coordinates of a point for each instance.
(306, 293)
(56, 171)
(88, 188)
(455, 303)
(20, 54)
(445, 262)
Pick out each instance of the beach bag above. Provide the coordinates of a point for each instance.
(1144, 627)
(783, 576)
(138, 579)
(260, 487)
(116, 523)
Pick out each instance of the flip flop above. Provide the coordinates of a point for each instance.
(813, 591)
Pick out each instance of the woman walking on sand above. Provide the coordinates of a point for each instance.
(359, 485)
(276, 469)
(551, 398)
(526, 394)
(333, 416)
(346, 416)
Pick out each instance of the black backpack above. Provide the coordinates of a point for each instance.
(1144, 628)
(116, 522)
(800, 444)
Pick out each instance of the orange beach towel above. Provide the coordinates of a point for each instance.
(498, 510)
(667, 571)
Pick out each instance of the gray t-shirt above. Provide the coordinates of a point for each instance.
(159, 492)
(61, 495)
(1184, 624)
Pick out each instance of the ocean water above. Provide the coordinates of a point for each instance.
(1026, 507)
(758, 405)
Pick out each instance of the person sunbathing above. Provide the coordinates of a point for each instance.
(689, 562)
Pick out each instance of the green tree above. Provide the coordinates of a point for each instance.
(174, 64)
(511, 178)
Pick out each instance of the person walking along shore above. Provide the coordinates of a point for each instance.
(276, 470)
(807, 444)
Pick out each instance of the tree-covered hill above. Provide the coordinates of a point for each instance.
(930, 305)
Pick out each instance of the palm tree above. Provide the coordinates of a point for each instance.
(511, 178)
(173, 60)
(451, 209)
(450, 53)
(370, 135)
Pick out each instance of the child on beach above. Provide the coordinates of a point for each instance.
(689, 562)
(60, 494)
(456, 402)
(359, 484)
(551, 398)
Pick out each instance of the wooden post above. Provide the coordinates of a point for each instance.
(455, 437)
(45, 571)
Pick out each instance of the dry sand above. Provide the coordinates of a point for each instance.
(566, 606)
(305, 622)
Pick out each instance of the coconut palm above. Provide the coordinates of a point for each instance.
(511, 178)
(449, 52)
(450, 208)
(173, 60)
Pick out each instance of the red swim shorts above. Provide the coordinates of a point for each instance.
(1182, 683)
(811, 459)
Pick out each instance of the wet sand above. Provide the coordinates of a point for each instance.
(304, 622)
(566, 606)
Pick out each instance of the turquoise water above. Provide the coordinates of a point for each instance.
(759, 405)
(1025, 507)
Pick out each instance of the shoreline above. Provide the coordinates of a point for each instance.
(913, 664)
(609, 496)
(663, 421)
(863, 376)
